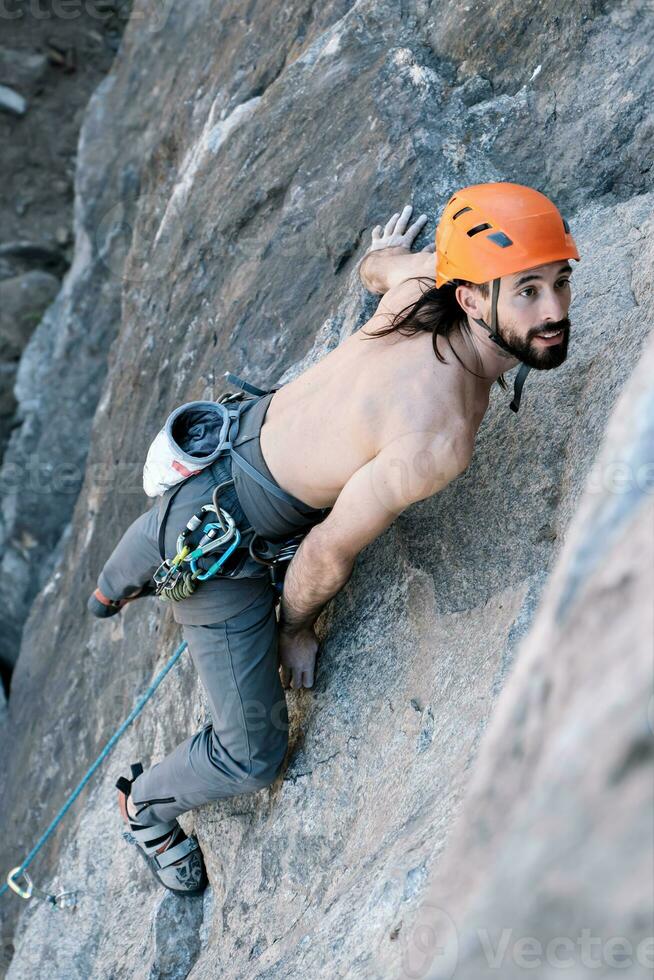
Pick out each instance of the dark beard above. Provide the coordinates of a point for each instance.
(540, 356)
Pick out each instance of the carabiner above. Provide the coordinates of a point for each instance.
(223, 558)
(15, 887)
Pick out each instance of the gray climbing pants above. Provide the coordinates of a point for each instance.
(231, 630)
(243, 746)
(233, 646)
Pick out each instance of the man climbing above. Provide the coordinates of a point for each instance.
(346, 459)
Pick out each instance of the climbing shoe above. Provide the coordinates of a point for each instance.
(173, 858)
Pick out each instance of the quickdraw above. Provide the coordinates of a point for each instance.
(63, 900)
(172, 579)
(174, 582)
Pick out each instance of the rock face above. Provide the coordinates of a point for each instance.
(551, 863)
(51, 58)
(461, 764)
(21, 68)
(23, 300)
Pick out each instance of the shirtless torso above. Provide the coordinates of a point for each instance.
(365, 395)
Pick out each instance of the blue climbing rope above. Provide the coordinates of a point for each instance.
(15, 872)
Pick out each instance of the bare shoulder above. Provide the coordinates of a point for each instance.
(431, 417)
(412, 467)
(425, 459)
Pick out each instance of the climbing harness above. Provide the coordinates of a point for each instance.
(168, 464)
(178, 577)
(68, 899)
(278, 563)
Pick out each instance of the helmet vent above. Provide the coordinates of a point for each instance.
(462, 211)
(500, 239)
(478, 228)
(566, 226)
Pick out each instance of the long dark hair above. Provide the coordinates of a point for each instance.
(438, 312)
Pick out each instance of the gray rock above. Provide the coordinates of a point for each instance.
(21, 256)
(7, 404)
(22, 70)
(7, 400)
(554, 843)
(475, 90)
(23, 300)
(12, 102)
(176, 940)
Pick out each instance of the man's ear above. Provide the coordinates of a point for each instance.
(470, 301)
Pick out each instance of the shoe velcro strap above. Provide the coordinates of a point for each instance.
(124, 785)
(175, 853)
(146, 834)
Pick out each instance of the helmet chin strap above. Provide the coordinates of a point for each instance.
(495, 337)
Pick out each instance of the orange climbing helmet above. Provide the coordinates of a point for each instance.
(492, 230)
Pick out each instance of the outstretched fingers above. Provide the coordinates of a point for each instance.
(389, 227)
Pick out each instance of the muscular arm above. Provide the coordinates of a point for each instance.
(410, 469)
(384, 268)
(312, 578)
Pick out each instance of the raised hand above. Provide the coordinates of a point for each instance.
(395, 232)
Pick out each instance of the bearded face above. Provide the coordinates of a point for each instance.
(542, 347)
(533, 314)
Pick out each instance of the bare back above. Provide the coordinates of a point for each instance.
(360, 397)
